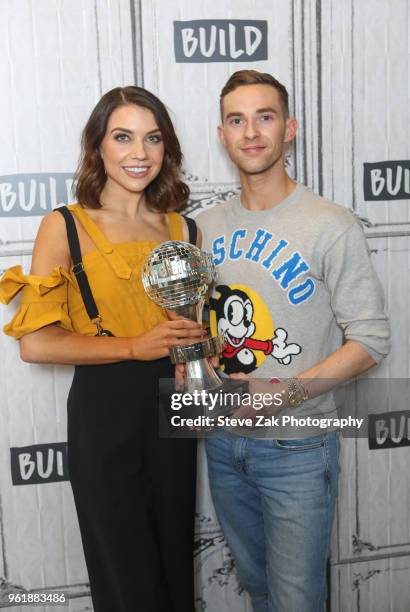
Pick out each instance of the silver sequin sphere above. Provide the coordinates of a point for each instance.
(177, 274)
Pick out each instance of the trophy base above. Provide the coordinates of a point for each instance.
(197, 350)
(200, 375)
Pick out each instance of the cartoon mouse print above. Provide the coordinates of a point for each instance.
(235, 314)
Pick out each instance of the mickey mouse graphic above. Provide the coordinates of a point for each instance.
(234, 312)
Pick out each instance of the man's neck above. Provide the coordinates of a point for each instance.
(263, 191)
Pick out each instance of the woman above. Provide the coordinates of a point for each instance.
(134, 492)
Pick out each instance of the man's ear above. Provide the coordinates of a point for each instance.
(221, 135)
(291, 129)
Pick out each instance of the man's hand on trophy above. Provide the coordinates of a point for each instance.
(180, 372)
(265, 398)
(156, 343)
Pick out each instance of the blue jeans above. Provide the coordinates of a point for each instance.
(275, 502)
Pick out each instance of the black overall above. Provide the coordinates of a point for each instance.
(134, 491)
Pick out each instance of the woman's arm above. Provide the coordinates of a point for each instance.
(52, 344)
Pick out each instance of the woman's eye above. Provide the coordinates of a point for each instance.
(121, 137)
(155, 138)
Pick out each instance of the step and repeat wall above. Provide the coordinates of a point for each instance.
(346, 66)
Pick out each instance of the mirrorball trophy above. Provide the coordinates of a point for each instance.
(176, 276)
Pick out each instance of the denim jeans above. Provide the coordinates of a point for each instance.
(275, 502)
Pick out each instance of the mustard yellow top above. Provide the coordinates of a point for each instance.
(114, 274)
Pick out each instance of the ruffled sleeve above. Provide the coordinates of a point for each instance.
(44, 300)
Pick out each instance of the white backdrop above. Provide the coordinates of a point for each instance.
(346, 65)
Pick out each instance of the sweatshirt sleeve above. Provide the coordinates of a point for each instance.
(356, 294)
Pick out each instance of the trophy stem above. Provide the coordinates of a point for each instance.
(201, 375)
(191, 311)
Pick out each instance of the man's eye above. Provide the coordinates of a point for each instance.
(266, 117)
(236, 121)
(121, 137)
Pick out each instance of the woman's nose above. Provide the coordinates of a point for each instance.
(138, 151)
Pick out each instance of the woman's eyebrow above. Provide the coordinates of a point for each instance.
(121, 130)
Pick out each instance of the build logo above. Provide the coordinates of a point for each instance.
(220, 40)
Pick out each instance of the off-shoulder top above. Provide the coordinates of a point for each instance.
(114, 274)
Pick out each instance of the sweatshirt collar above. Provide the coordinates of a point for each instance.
(240, 210)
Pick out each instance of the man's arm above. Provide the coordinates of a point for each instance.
(347, 362)
(357, 301)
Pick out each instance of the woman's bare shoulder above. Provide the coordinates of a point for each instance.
(51, 246)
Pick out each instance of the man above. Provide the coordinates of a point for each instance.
(300, 305)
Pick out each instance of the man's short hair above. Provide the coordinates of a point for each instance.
(253, 77)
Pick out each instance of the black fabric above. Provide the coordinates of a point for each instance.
(192, 230)
(78, 268)
(134, 491)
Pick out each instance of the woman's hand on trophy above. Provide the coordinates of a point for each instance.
(172, 315)
(155, 343)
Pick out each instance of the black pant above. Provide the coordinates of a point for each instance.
(134, 491)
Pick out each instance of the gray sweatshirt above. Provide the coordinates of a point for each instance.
(294, 281)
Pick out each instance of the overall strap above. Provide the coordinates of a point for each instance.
(176, 227)
(104, 246)
(192, 230)
(78, 267)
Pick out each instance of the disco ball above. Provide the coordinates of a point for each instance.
(177, 274)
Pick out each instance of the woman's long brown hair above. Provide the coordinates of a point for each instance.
(167, 191)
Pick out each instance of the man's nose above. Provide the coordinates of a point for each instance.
(251, 130)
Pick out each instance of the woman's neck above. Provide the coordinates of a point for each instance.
(121, 202)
